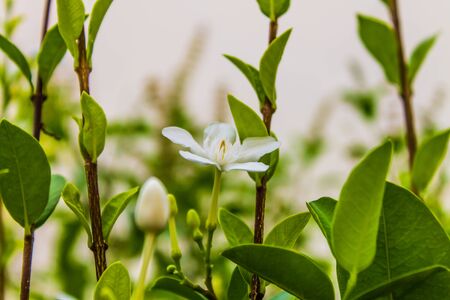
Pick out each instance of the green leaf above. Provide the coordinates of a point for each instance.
(379, 39)
(428, 158)
(113, 208)
(71, 197)
(274, 9)
(356, 218)
(252, 75)
(289, 270)
(287, 232)
(52, 51)
(413, 253)
(56, 186)
(238, 288)
(117, 280)
(418, 57)
(283, 296)
(94, 127)
(172, 285)
(98, 13)
(235, 230)
(322, 211)
(17, 57)
(71, 17)
(269, 63)
(25, 188)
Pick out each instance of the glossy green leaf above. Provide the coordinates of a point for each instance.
(419, 55)
(287, 232)
(274, 9)
(94, 127)
(52, 51)
(115, 279)
(56, 186)
(428, 158)
(25, 188)
(413, 253)
(71, 197)
(283, 296)
(172, 285)
(235, 230)
(355, 222)
(71, 17)
(99, 11)
(113, 208)
(238, 288)
(252, 75)
(289, 270)
(269, 63)
(17, 58)
(379, 39)
(322, 211)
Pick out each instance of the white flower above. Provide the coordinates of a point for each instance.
(152, 207)
(221, 148)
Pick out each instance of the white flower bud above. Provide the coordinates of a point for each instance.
(152, 207)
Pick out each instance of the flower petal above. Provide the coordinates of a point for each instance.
(182, 137)
(254, 148)
(196, 158)
(219, 131)
(248, 166)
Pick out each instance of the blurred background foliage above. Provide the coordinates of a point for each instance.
(137, 150)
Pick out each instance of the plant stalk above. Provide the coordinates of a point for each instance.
(267, 112)
(26, 264)
(147, 253)
(2, 253)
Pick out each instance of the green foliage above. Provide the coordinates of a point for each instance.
(52, 51)
(289, 270)
(71, 17)
(113, 208)
(114, 284)
(428, 158)
(71, 197)
(17, 57)
(269, 63)
(418, 57)
(379, 39)
(94, 127)
(238, 288)
(287, 232)
(235, 230)
(274, 9)
(355, 221)
(322, 211)
(25, 188)
(56, 186)
(174, 286)
(99, 11)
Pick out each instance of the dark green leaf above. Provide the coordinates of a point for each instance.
(56, 186)
(235, 230)
(71, 21)
(274, 9)
(238, 288)
(25, 188)
(379, 39)
(71, 197)
(286, 233)
(113, 208)
(289, 270)
(98, 13)
(174, 286)
(17, 57)
(322, 211)
(52, 51)
(115, 281)
(94, 127)
(269, 63)
(247, 121)
(419, 55)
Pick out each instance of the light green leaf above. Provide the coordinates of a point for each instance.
(418, 57)
(322, 211)
(17, 57)
(289, 270)
(98, 13)
(235, 230)
(71, 17)
(116, 280)
(56, 186)
(52, 51)
(252, 75)
(274, 9)
(238, 288)
(269, 63)
(113, 208)
(379, 39)
(174, 286)
(94, 126)
(25, 188)
(428, 158)
(287, 232)
(71, 197)
(356, 218)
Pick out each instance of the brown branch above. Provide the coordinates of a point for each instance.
(2, 252)
(267, 112)
(26, 265)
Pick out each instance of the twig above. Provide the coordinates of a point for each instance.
(26, 264)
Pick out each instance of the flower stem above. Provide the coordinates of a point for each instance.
(147, 254)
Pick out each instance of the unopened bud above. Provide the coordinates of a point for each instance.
(192, 219)
(173, 205)
(171, 269)
(198, 235)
